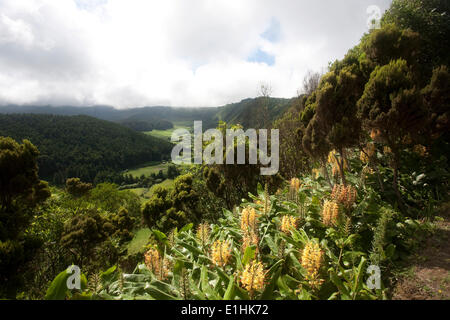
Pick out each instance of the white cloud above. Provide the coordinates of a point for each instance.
(174, 52)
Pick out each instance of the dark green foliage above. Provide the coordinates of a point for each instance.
(19, 179)
(185, 197)
(21, 192)
(392, 104)
(83, 233)
(248, 111)
(437, 98)
(168, 209)
(389, 43)
(81, 146)
(172, 172)
(293, 159)
(147, 125)
(233, 182)
(108, 197)
(431, 20)
(122, 224)
(77, 188)
(335, 124)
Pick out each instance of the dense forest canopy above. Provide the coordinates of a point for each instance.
(81, 146)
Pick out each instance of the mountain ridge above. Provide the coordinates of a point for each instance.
(235, 113)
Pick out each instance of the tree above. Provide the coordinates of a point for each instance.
(168, 209)
(172, 172)
(77, 188)
(381, 46)
(437, 98)
(83, 233)
(263, 115)
(392, 105)
(431, 20)
(222, 179)
(293, 158)
(123, 223)
(21, 192)
(108, 197)
(310, 83)
(336, 109)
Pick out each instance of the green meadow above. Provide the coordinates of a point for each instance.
(167, 134)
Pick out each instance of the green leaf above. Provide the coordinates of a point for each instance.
(341, 287)
(186, 228)
(83, 282)
(109, 275)
(268, 291)
(58, 288)
(210, 293)
(159, 235)
(249, 254)
(390, 250)
(283, 287)
(191, 248)
(158, 294)
(359, 277)
(229, 294)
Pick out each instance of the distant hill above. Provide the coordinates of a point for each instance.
(248, 112)
(82, 146)
(245, 112)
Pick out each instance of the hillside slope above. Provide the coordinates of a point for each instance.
(146, 118)
(82, 146)
(248, 112)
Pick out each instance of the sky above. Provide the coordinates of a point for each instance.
(135, 53)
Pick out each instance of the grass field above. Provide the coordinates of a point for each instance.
(167, 134)
(139, 241)
(148, 169)
(145, 193)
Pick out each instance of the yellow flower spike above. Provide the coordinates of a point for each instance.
(363, 157)
(249, 220)
(221, 253)
(311, 261)
(250, 239)
(294, 187)
(420, 150)
(288, 223)
(253, 276)
(295, 184)
(330, 213)
(332, 157)
(203, 232)
(157, 264)
(344, 195)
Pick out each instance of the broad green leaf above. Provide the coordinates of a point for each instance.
(341, 287)
(58, 288)
(229, 294)
(186, 228)
(268, 291)
(249, 255)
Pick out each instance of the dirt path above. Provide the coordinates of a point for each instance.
(428, 275)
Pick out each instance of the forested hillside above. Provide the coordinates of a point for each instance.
(161, 118)
(81, 146)
(253, 113)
